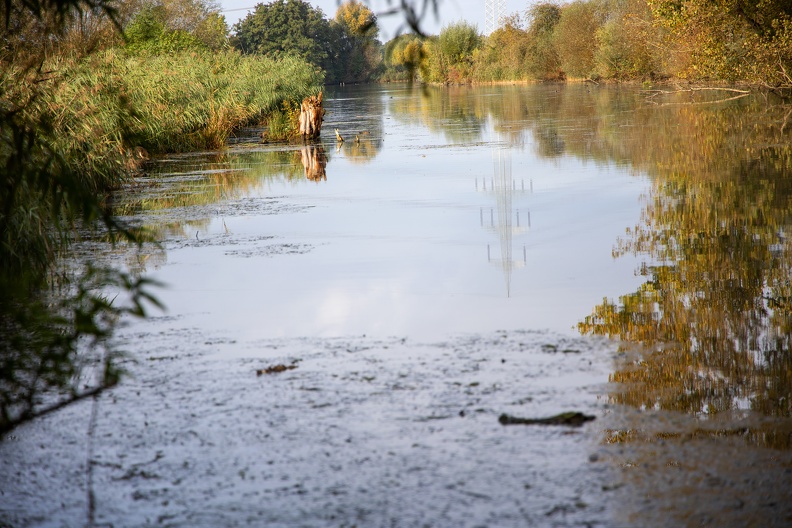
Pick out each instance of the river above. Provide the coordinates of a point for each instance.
(465, 252)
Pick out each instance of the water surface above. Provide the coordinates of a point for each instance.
(451, 212)
(465, 252)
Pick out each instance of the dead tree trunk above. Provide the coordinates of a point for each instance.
(311, 115)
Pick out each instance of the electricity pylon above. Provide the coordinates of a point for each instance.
(494, 13)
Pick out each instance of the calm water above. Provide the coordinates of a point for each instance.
(460, 210)
(465, 252)
(660, 219)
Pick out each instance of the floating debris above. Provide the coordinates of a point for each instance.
(275, 369)
(571, 419)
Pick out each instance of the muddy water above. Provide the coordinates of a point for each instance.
(465, 252)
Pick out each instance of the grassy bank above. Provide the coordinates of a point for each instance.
(173, 102)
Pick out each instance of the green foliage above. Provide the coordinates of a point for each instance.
(194, 100)
(721, 40)
(346, 48)
(728, 39)
(72, 128)
(358, 53)
(574, 35)
(405, 55)
(544, 61)
(458, 42)
(283, 122)
(504, 54)
(622, 51)
(147, 33)
(287, 27)
(212, 31)
(57, 168)
(450, 56)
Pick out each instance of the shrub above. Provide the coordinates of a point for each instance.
(575, 37)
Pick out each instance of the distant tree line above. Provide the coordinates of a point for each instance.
(698, 40)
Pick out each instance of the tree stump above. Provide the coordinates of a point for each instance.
(311, 116)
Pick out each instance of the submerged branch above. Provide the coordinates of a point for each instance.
(656, 93)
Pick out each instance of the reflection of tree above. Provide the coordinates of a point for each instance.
(172, 199)
(716, 309)
(452, 111)
(554, 114)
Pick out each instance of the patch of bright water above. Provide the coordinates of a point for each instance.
(418, 234)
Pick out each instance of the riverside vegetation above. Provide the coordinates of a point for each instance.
(80, 109)
(691, 40)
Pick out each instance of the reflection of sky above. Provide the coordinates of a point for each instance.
(399, 249)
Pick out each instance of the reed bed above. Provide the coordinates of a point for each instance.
(107, 109)
(82, 128)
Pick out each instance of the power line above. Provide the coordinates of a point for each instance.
(237, 9)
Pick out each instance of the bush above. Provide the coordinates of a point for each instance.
(622, 50)
(543, 59)
(575, 37)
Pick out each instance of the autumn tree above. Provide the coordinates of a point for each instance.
(730, 39)
(504, 53)
(628, 44)
(406, 52)
(574, 36)
(543, 59)
(450, 56)
(359, 51)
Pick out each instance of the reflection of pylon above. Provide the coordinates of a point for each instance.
(509, 223)
(494, 13)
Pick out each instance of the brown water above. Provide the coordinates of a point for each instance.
(465, 252)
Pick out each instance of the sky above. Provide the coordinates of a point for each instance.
(451, 11)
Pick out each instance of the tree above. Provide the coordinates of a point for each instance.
(730, 39)
(504, 54)
(407, 52)
(450, 55)
(175, 25)
(56, 324)
(629, 46)
(574, 36)
(148, 32)
(288, 27)
(543, 56)
(357, 20)
(359, 52)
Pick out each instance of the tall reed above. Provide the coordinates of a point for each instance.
(188, 100)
